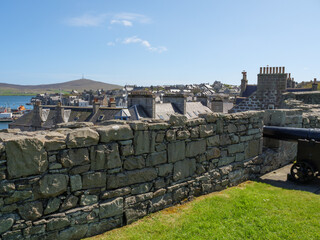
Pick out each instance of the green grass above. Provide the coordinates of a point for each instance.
(250, 211)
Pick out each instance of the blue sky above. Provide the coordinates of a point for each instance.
(153, 42)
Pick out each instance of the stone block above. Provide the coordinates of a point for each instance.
(253, 149)
(127, 150)
(171, 135)
(184, 169)
(31, 210)
(74, 232)
(6, 223)
(88, 200)
(75, 157)
(160, 137)
(236, 148)
(134, 162)
(52, 206)
(97, 159)
(82, 137)
(141, 142)
(18, 196)
(178, 120)
(131, 177)
(70, 202)
(225, 161)
(79, 169)
(183, 134)
(75, 183)
(176, 151)
(195, 148)
(114, 133)
(55, 141)
(141, 188)
(213, 141)
(225, 139)
(94, 180)
(158, 126)
(111, 208)
(195, 132)
(156, 158)
(52, 185)
(103, 226)
(165, 170)
(25, 156)
(232, 128)
(213, 153)
(206, 130)
(116, 193)
(33, 230)
(57, 223)
(112, 156)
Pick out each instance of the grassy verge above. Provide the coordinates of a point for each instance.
(249, 211)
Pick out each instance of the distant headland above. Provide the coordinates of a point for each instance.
(79, 85)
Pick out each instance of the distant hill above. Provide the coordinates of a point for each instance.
(79, 85)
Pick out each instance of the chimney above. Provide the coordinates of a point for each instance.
(37, 112)
(314, 85)
(95, 107)
(145, 99)
(277, 70)
(112, 102)
(264, 70)
(244, 82)
(260, 70)
(273, 70)
(178, 100)
(59, 113)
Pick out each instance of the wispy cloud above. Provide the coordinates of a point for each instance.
(125, 23)
(127, 19)
(87, 20)
(145, 44)
(94, 20)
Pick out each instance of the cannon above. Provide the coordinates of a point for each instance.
(307, 165)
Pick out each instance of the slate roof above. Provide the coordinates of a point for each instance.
(249, 90)
(164, 110)
(193, 109)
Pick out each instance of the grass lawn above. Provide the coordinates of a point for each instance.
(250, 211)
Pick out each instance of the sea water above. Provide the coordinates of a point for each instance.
(14, 102)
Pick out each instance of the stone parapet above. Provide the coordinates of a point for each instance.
(78, 182)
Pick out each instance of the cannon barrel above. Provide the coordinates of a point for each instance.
(290, 133)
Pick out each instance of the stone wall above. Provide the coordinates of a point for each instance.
(78, 182)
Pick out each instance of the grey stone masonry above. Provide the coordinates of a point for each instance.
(74, 183)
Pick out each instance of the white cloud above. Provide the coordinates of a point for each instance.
(125, 23)
(145, 44)
(133, 17)
(111, 44)
(87, 20)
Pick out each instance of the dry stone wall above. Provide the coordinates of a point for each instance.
(78, 182)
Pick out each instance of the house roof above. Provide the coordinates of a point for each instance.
(249, 90)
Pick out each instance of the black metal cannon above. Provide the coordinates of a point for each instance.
(307, 165)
